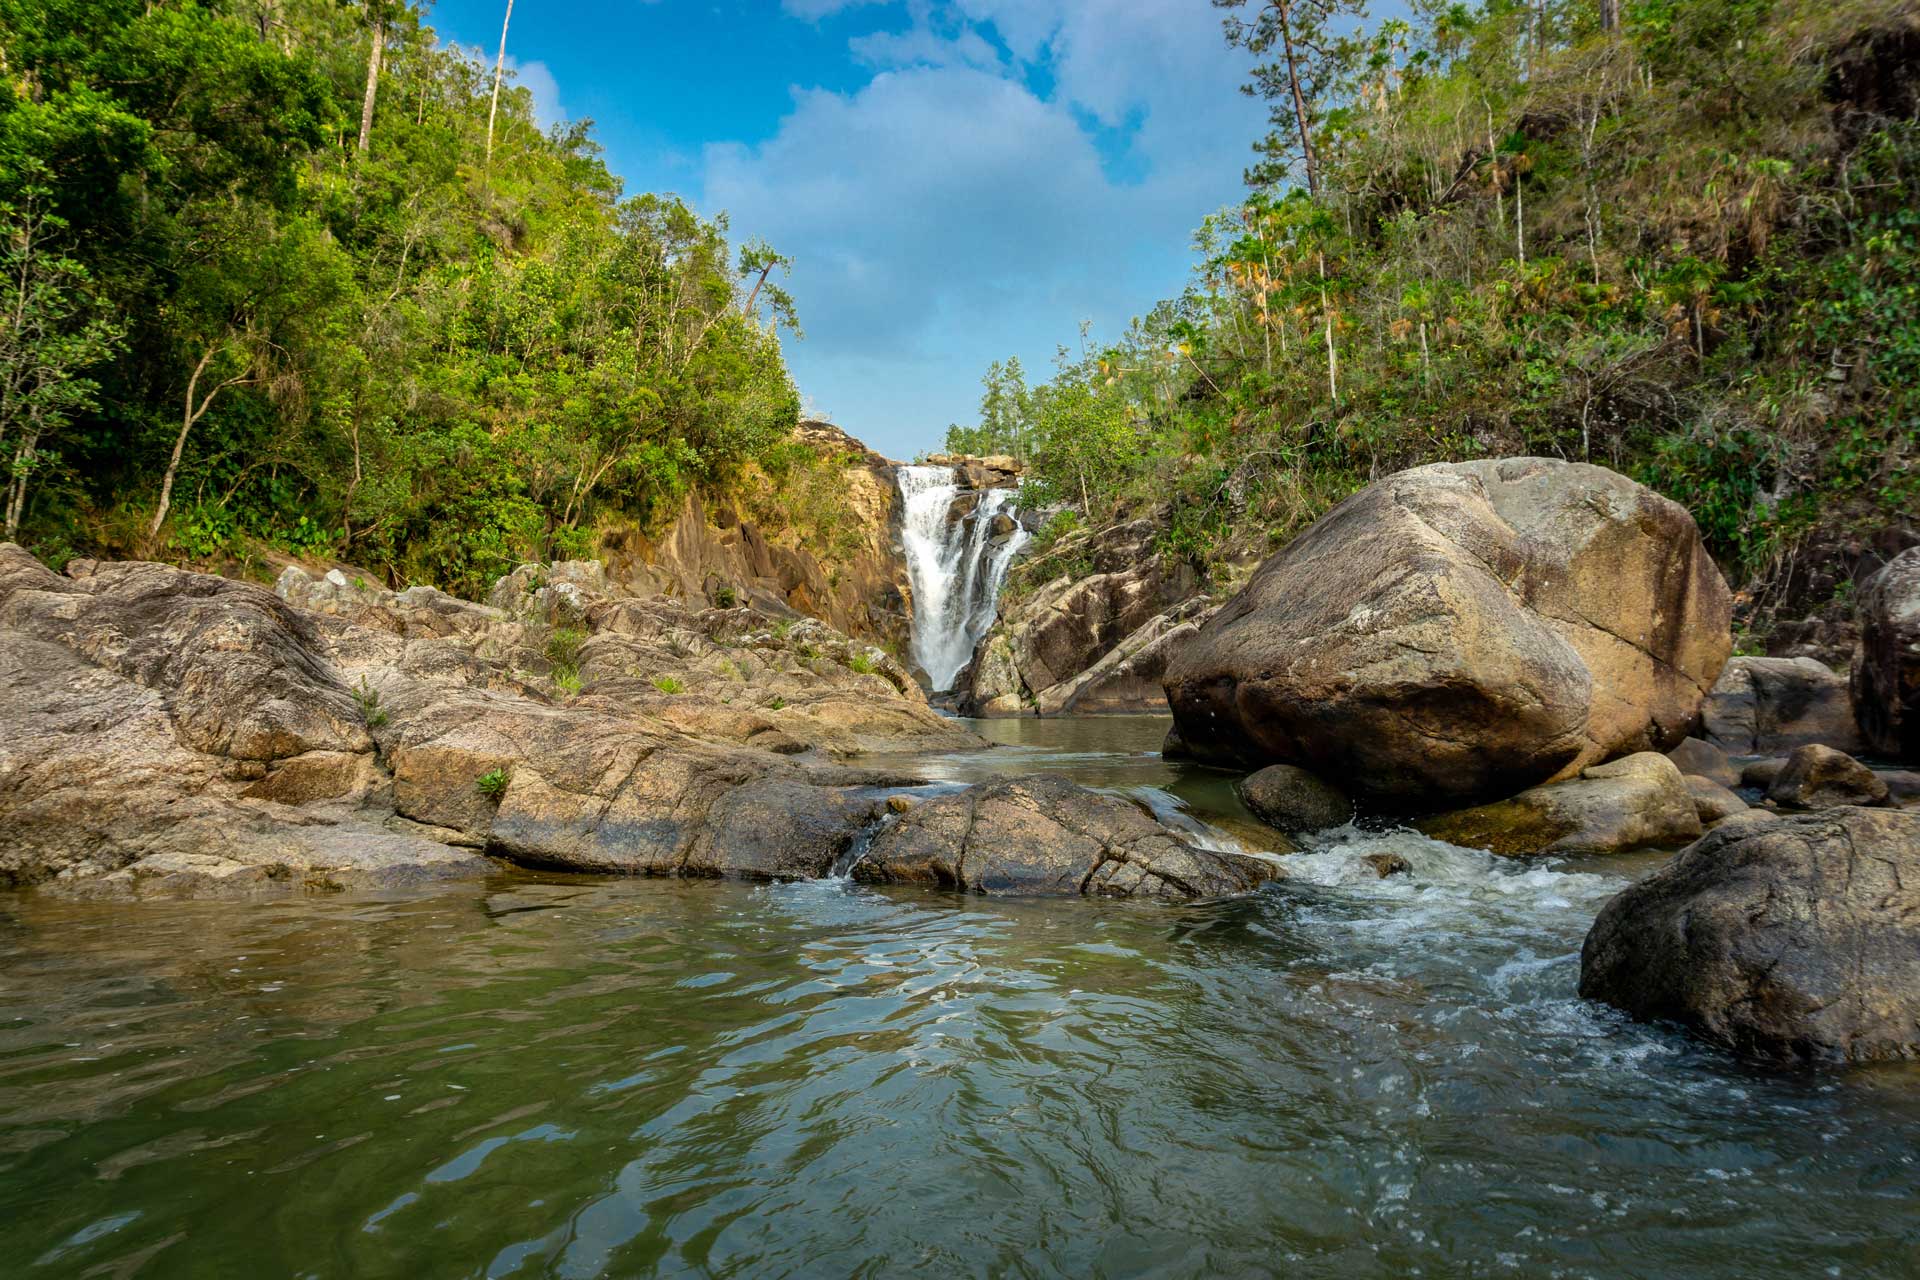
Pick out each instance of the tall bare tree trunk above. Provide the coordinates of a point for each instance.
(499, 63)
(1326, 311)
(190, 414)
(1609, 15)
(1283, 9)
(374, 60)
(16, 501)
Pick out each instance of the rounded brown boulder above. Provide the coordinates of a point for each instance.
(1792, 939)
(1462, 631)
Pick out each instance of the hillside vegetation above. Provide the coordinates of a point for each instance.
(278, 274)
(1682, 240)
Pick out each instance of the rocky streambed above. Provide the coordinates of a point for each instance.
(1523, 657)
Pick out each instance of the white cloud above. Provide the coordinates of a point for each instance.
(946, 214)
(814, 10)
(538, 81)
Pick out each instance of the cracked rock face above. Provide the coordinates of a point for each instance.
(1462, 631)
(1793, 939)
(1044, 835)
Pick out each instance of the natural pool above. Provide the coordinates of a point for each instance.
(1341, 1076)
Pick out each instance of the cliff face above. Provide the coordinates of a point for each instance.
(841, 564)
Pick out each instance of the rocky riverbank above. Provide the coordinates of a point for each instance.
(163, 731)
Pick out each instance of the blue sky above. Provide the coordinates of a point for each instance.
(957, 180)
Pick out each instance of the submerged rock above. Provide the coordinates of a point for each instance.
(1886, 669)
(1630, 803)
(1462, 631)
(1290, 799)
(1763, 706)
(1044, 835)
(1797, 938)
(1816, 777)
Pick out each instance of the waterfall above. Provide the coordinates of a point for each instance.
(954, 564)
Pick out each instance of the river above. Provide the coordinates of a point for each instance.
(534, 1075)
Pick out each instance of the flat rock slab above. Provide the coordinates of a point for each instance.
(1044, 835)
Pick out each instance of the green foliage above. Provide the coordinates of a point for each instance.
(492, 784)
(726, 597)
(1674, 248)
(404, 356)
(372, 714)
(668, 684)
(776, 703)
(563, 646)
(862, 663)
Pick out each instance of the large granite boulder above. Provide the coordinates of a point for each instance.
(1044, 835)
(1635, 802)
(1768, 706)
(1886, 670)
(1462, 631)
(1796, 938)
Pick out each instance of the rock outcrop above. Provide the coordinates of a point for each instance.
(1767, 706)
(167, 731)
(1094, 640)
(1635, 802)
(1462, 631)
(715, 553)
(1886, 668)
(1043, 835)
(1790, 939)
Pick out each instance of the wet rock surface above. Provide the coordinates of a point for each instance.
(1796, 938)
(1635, 802)
(1044, 835)
(1463, 631)
(1292, 800)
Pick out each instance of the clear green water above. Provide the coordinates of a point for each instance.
(535, 1076)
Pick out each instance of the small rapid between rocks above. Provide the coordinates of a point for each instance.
(579, 1077)
(956, 564)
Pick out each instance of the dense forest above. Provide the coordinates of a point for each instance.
(1680, 239)
(295, 275)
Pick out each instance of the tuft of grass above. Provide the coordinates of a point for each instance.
(566, 680)
(807, 652)
(776, 703)
(726, 597)
(862, 663)
(492, 784)
(781, 627)
(372, 714)
(667, 684)
(563, 646)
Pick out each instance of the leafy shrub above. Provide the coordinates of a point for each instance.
(492, 784)
(668, 684)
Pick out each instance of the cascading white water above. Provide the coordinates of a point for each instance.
(955, 566)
